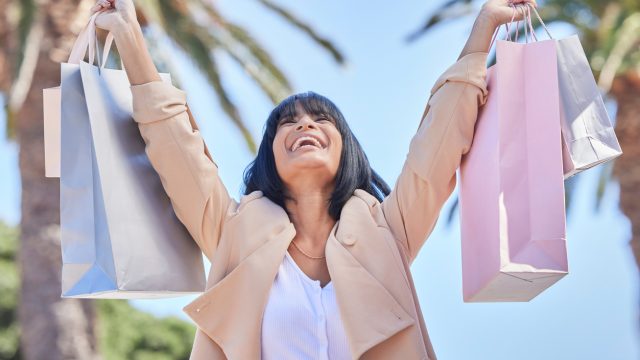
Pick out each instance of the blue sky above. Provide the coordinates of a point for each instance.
(592, 313)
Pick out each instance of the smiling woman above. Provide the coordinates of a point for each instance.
(339, 167)
(313, 262)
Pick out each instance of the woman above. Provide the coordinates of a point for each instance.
(313, 261)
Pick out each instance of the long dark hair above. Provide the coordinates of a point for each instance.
(354, 171)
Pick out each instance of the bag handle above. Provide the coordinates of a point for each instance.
(507, 27)
(527, 17)
(84, 41)
(544, 26)
(88, 39)
(527, 20)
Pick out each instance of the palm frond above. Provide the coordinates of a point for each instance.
(246, 52)
(151, 12)
(626, 37)
(20, 73)
(27, 10)
(604, 177)
(300, 25)
(196, 40)
(30, 31)
(8, 26)
(452, 9)
(10, 123)
(27, 61)
(608, 22)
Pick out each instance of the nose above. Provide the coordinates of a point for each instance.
(305, 123)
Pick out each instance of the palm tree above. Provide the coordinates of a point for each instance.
(35, 37)
(610, 34)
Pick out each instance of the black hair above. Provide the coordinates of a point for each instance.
(354, 171)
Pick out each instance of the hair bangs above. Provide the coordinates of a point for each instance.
(312, 104)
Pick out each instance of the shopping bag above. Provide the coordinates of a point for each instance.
(120, 237)
(512, 209)
(51, 119)
(51, 110)
(51, 98)
(588, 138)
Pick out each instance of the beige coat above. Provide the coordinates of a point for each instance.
(368, 252)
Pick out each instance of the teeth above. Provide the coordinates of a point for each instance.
(296, 144)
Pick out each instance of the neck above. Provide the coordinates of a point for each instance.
(309, 212)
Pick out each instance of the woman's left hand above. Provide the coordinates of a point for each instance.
(499, 12)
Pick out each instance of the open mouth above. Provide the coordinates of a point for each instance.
(306, 142)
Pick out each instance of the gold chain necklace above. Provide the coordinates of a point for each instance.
(305, 254)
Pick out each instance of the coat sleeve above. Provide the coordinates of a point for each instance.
(445, 133)
(179, 155)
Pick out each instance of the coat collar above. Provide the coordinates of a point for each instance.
(235, 305)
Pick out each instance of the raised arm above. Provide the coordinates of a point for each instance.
(174, 145)
(444, 135)
(428, 176)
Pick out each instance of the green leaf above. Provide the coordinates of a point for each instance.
(306, 29)
(195, 40)
(248, 54)
(451, 10)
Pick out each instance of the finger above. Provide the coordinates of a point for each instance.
(519, 11)
(522, 2)
(532, 2)
(95, 9)
(101, 4)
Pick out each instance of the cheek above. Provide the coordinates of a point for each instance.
(279, 153)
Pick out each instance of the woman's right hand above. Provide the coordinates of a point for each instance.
(115, 14)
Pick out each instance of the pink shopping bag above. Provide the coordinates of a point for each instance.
(511, 181)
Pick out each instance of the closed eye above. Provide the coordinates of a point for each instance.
(320, 118)
(285, 121)
(325, 118)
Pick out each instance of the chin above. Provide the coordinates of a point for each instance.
(307, 164)
(320, 169)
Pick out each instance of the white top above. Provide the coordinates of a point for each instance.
(301, 319)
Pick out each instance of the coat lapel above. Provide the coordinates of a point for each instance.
(370, 314)
(231, 312)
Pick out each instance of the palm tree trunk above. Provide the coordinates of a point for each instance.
(626, 90)
(51, 327)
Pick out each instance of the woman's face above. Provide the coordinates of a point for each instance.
(307, 147)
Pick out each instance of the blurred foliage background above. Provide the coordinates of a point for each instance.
(35, 36)
(123, 332)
